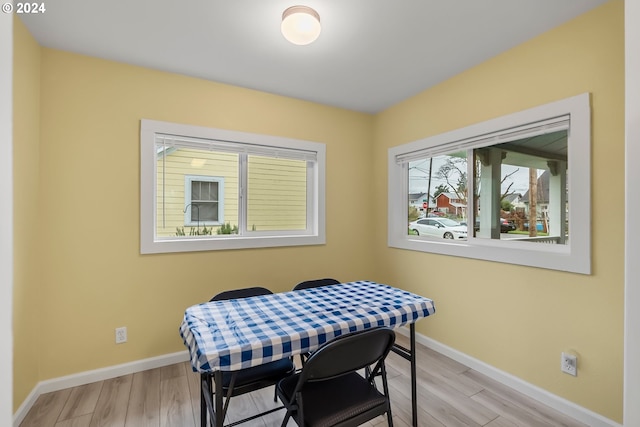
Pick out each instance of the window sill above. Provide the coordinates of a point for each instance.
(228, 242)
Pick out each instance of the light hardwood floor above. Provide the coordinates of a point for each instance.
(449, 394)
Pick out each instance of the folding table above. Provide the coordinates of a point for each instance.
(241, 333)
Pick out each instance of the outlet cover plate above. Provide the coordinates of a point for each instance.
(569, 364)
(121, 335)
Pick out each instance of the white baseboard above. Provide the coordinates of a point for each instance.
(93, 376)
(556, 402)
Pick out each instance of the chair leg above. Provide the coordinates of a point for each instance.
(286, 419)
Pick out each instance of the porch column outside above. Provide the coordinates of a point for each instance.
(490, 160)
(558, 200)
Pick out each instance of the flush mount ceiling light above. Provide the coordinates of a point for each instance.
(300, 25)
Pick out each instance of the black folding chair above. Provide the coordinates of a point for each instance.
(329, 391)
(247, 380)
(315, 283)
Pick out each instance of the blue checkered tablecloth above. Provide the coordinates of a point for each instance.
(240, 333)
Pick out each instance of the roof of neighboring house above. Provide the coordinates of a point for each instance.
(417, 196)
(450, 195)
(512, 197)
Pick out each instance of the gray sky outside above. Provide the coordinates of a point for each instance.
(419, 176)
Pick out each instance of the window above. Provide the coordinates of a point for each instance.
(204, 198)
(515, 189)
(208, 189)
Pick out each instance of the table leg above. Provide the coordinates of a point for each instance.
(219, 421)
(409, 354)
(203, 402)
(414, 389)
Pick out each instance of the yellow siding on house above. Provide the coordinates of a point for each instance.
(171, 172)
(276, 193)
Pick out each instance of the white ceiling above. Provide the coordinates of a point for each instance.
(370, 55)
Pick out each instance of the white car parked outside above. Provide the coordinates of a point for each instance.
(439, 227)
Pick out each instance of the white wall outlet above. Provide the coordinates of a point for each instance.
(121, 335)
(569, 364)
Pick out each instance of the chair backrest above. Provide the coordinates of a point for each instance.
(241, 293)
(348, 353)
(315, 283)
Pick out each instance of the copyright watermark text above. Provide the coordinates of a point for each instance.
(31, 8)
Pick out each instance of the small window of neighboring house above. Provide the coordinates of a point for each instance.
(210, 189)
(542, 153)
(204, 200)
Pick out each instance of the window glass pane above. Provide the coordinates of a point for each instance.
(276, 194)
(204, 201)
(438, 193)
(521, 190)
(206, 212)
(188, 185)
(204, 190)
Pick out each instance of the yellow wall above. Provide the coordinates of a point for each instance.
(83, 269)
(94, 278)
(520, 319)
(26, 205)
(78, 272)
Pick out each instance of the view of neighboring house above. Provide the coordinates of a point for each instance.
(515, 199)
(451, 204)
(199, 188)
(542, 206)
(448, 203)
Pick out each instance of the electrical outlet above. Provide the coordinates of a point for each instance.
(121, 335)
(569, 364)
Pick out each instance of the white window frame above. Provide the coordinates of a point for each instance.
(188, 179)
(314, 234)
(575, 256)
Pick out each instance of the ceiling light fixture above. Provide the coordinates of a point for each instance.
(300, 25)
